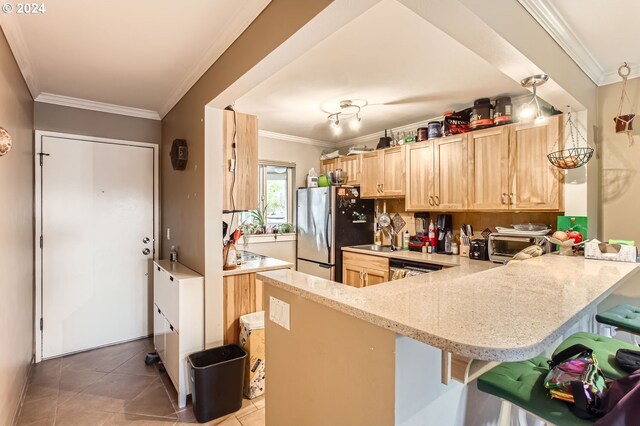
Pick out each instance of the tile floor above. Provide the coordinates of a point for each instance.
(113, 386)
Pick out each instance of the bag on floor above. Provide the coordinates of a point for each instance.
(575, 377)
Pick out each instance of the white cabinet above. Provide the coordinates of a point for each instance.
(178, 320)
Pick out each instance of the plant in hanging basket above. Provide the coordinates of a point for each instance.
(570, 158)
(624, 123)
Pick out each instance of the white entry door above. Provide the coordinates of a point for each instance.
(97, 227)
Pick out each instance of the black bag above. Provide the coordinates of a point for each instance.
(628, 360)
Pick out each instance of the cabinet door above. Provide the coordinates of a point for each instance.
(535, 184)
(393, 172)
(172, 358)
(245, 188)
(488, 173)
(351, 166)
(328, 165)
(375, 276)
(159, 331)
(352, 275)
(450, 173)
(370, 176)
(419, 179)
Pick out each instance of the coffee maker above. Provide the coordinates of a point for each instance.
(444, 223)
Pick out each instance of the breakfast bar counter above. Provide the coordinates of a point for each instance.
(477, 309)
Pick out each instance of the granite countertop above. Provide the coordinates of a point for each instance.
(252, 263)
(416, 256)
(478, 309)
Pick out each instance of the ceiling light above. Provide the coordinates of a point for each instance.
(532, 108)
(350, 112)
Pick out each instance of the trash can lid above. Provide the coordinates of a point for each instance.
(253, 321)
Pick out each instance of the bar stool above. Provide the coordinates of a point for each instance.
(622, 318)
(522, 383)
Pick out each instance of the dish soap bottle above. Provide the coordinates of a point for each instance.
(405, 240)
(432, 236)
(377, 239)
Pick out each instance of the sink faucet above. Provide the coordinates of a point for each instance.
(392, 237)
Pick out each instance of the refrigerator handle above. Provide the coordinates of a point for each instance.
(329, 230)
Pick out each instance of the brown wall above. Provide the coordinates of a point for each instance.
(16, 235)
(56, 118)
(183, 191)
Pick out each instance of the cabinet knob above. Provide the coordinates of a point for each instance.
(171, 278)
(504, 198)
(146, 251)
(437, 200)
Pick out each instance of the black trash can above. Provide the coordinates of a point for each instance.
(217, 377)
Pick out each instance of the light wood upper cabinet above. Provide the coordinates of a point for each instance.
(383, 173)
(328, 165)
(450, 173)
(535, 184)
(245, 187)
(436, 174)
(370, 175)
(419, 179)
(351, 165)
(488, 169)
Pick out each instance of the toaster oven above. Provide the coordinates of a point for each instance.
(503, 247)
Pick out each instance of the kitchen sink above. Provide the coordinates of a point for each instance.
(373, 247)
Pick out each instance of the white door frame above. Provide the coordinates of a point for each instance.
(39, 134)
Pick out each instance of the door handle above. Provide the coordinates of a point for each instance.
(146, 251)
(360, 274)
(431, 202)
(366, 279)
(146, 240)
(329, 229)
(503, 198)
(437, 199)
(511, 199)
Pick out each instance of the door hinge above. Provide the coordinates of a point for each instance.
(40, 324)
(40, 241)
(42, 154)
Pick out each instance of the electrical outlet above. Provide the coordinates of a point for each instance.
(280, 312)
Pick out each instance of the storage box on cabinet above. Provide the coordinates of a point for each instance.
(178, 326)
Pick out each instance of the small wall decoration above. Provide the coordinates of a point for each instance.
(5, 142)
(624, 122)
(179, 154)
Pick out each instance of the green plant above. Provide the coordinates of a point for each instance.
(285, 228)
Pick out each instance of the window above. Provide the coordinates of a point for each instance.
(275, 192)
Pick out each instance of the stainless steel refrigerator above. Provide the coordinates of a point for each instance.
(328, 219)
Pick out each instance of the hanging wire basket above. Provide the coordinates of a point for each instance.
(574, 157)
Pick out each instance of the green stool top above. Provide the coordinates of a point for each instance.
(604, 348)
(626, 317)
(522, 383)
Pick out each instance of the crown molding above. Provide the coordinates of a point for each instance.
(296, 139)
(236, 25)
(18, 46)
(551, 20)
(68, 101)
(613, 76)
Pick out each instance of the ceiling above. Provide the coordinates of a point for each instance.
(407, 72)
(142, 54)
(598, 35)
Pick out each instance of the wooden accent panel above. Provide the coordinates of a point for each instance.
(488, 169)
(245, 192)
(366, 261)
(450, 173)
(351, 165)
(419, 177)
(463, 369)
(534, 182)
(394, 172)
(370, 175)
(242, 294)
(328, 165)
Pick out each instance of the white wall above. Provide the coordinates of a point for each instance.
(305, 156)
(16, 235)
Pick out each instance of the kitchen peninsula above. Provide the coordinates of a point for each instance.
(415, 335)
(242, 292)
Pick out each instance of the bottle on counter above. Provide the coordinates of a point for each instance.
(429, 249)
(448, 239)
(377, 238)
(173, 254)
(405, 240)
(433, 237)
(454, 248)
